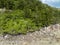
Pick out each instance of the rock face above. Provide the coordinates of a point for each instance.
(46, 36)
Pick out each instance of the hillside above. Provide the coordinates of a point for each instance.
(22, 16)
(45, 36)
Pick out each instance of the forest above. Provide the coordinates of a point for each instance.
(22, 16)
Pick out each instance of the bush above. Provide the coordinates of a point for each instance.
(14, 24)
(26, 16)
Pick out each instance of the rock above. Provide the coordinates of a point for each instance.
(7, 36)
(25, 43)
(46, 36)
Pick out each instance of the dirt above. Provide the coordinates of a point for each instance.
(46, 36)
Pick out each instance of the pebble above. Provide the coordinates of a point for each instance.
(48, 35)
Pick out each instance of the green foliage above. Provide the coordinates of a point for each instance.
(14, 23)
(26, 16)
(18, 26)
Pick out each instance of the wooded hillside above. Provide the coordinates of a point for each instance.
(26, 16)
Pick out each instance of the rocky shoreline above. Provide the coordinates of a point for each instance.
(46, 36)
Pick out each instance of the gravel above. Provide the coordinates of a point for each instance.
(46, 36)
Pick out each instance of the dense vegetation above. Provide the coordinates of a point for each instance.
(26, 16)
